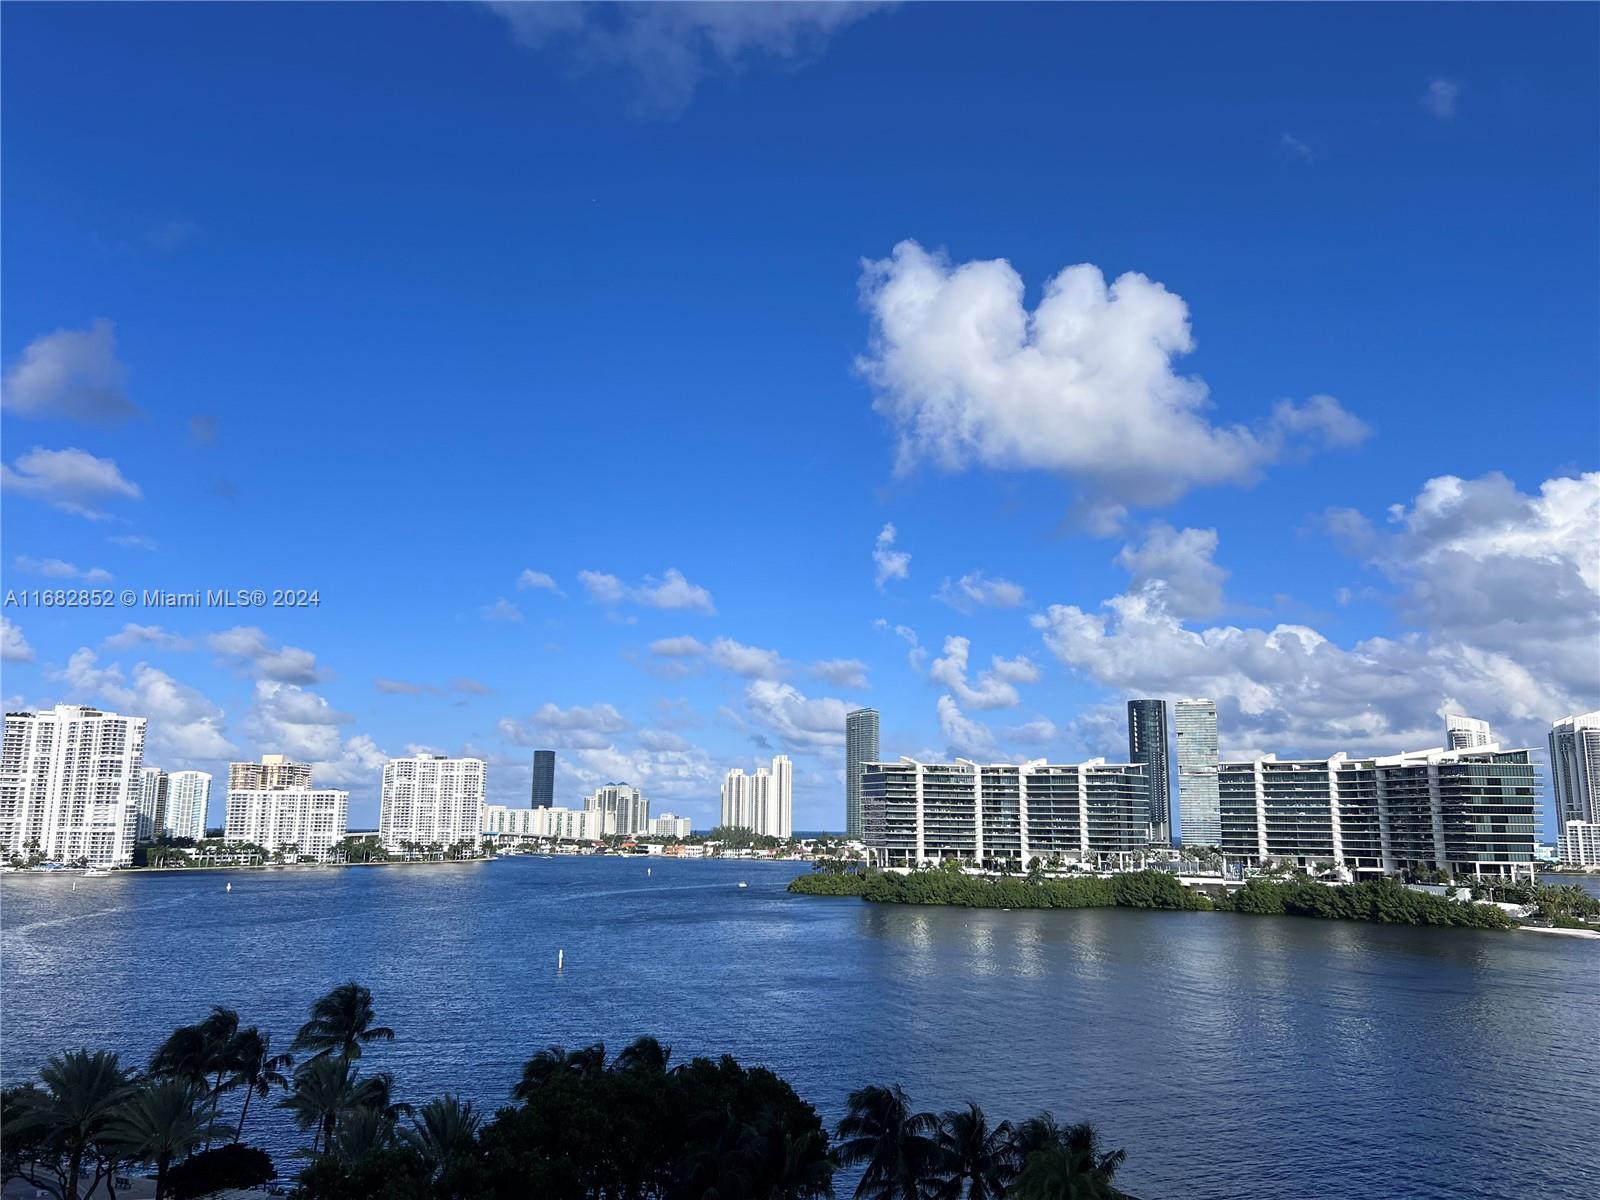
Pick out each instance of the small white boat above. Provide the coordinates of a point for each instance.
(97, 871)
(743, 884)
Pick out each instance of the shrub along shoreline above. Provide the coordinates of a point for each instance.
(1385, 901)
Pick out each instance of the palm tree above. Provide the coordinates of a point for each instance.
(361, 1133)
(799, 1166)
(184, 1055)
(643, 1054)
(897, 1145)
(342, 1023)
(376, 1092)
(80, 1095)
(555, 1061)
(443, 1130)
(979, 1161)
(161, 1123)
(324, 1090)
(1069, 1164)
(256, 1069)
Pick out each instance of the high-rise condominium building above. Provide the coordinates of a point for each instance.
(667, 825)
(619, 809)
(152, 806)
(1580, 844)
(504, 824)
(544, 779)
(1469, 812)
(917, 813)
(431, 800)
(1199, 818)
(860, 748)
(1466, 733)
(1575, 768)
(273, 805)
(1147, 744)
(274, 771)
(70, 785)
(763, 803)
(188, 798)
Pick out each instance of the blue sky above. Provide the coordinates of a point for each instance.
(579, 359)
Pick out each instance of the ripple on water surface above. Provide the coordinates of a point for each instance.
(1232, 1056)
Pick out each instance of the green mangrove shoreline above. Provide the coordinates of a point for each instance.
(1383, 901)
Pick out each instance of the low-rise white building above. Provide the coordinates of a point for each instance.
(667, 825)
(505, 824)
(1580, 844)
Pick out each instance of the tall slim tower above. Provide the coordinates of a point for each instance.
(1199, 812)
(1147, 744)
(1466, 733)
(860, 748)
(544, 779)
(1575, 768)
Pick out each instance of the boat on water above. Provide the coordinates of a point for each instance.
(743, 884)
(97, 871)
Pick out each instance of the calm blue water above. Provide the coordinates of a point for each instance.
(1231, 1056)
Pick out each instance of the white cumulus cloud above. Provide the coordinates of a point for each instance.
(1085, 384)
(13, 646)
(889, 562)
(73, 374)
(72, 480)
(994, 688)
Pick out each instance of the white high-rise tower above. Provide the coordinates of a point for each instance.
(70, 785)
(762, 803)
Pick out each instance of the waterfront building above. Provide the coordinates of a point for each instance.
(273, 805)
(1199, 814)
(667, 825)
(504, 824)
(188, 797)
(860, 748)
(1147, 744)
(1580, 844)
(1092, 812)
(763, 803)
(544, 779)
(1468, 812)
(1575, 768)
(70, 785)
(1466, 733)
(273, 771)
(431, 799)
(618, 809)
(152, 806)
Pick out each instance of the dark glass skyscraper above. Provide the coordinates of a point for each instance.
(544, 779)
(1147, 744)
(860, 747)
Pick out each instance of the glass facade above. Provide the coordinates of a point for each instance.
(860, 749)
(1147, 745)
